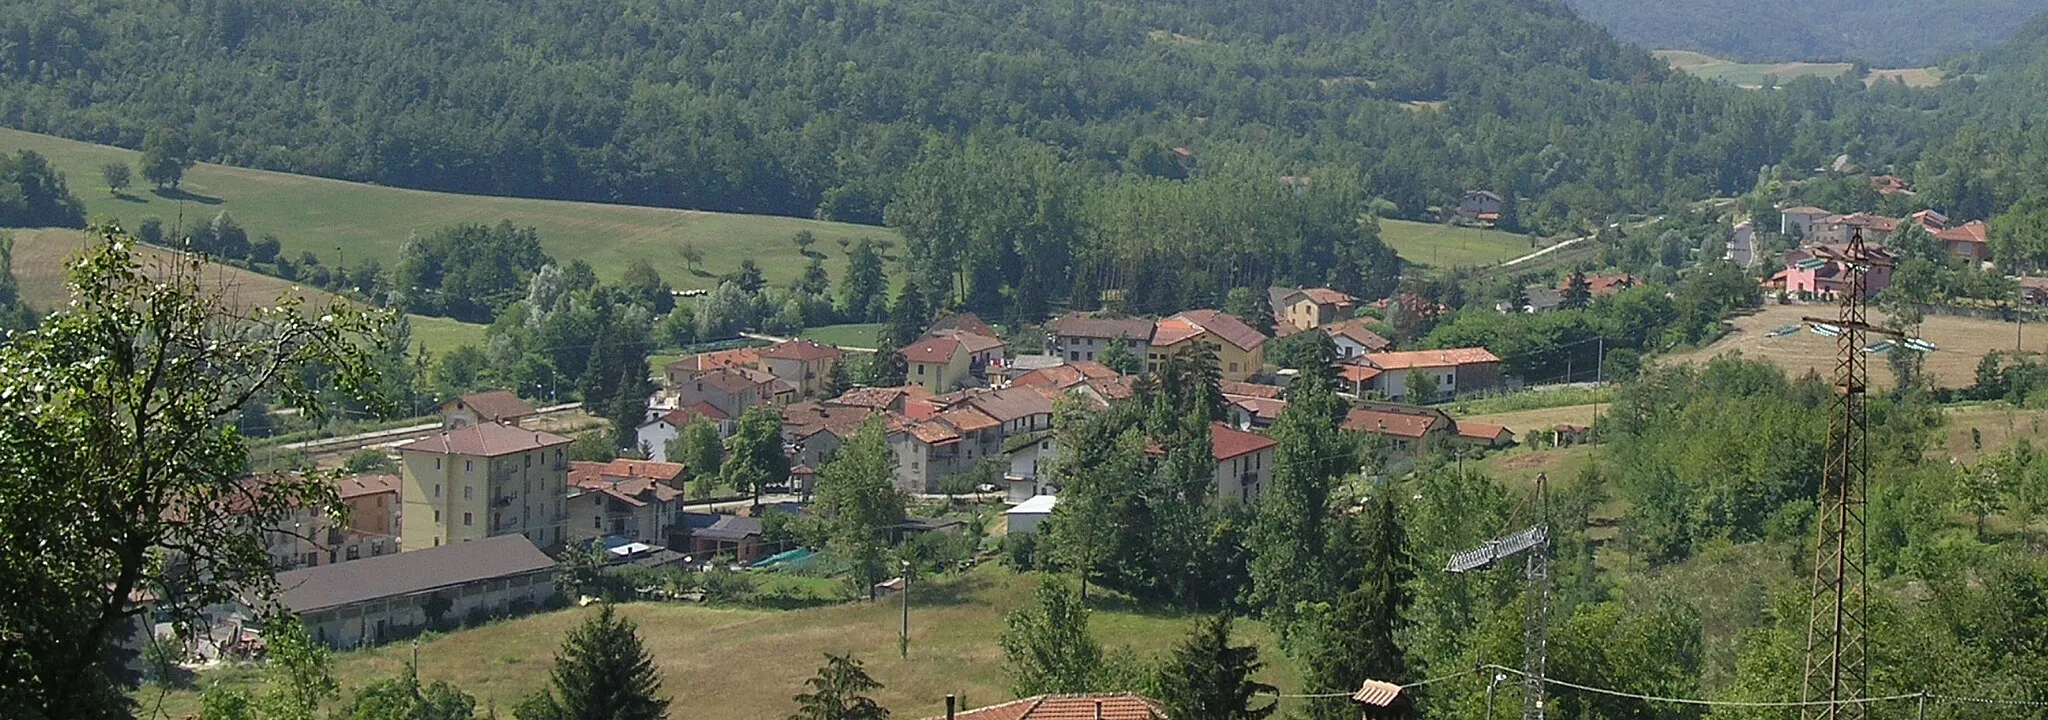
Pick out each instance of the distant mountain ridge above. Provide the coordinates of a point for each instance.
(1886, 33)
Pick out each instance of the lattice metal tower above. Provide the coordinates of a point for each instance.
(1536, 633)
(1837, 656)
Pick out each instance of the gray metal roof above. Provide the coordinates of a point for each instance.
(408, 573)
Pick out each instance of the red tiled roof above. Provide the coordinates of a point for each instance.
(967, 420)
(1075, 324)
(931, 350)
(1065, 376)
(702, 362)
(1481, 431)
(731, 381)
(802, 350)
(1105, 706)
(1973, 231)
(1804, 210)
(1326, 296)
(485, 439)
(1224, 326)
(974, 342)
(1355, 331)
(870, 397)
(496, 405)
(933, 433)
(1245, 389)
(1012, 403)
(1410, 359)
(1226, 442)
(1267, 409)
(1356, 373)
(969, 322)
(360, 485)
(1382, 422)
(649, 469)
(684, 415)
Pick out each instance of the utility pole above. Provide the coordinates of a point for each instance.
(1837, 653)
(903, 643)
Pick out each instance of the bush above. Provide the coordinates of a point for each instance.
(1020, 552)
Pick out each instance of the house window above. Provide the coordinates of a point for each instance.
(469, 466)
(1073, 356)
(437, 463)
(468, 492)
(529, 459)
(468, 519)
(437, 517)
(1233, 367)
(920, 369)
(437, 489)
(355, 552)
(597, 523)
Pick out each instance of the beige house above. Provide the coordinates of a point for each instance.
(363, 603)
(499, 406)
(466, 484)
(621, 500)
(730, 390)
(1240, 350)
(1079, 337)
(1311, 308)
(937, 364)
(804, 364)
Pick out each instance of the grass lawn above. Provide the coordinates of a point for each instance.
(344, 221)
(744, 663)
(861, 335)
(1752, 75)
(1438, 245)
(41, 255)
(1963, 342)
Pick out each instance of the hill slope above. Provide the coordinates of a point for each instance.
(1881, 32)
(817, 108)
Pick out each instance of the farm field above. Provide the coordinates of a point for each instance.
(953, 629)
(1752, 75)
(1962, 342)
(1438, 245)
(333, 218)
(861, 335)
(40, 256)
(1522, 421)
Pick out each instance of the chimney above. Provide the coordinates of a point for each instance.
(1098, 709)
(950, 700)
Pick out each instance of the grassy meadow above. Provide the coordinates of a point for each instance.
(1741, 74)
(747, 663)
(345, 221)
(1438, 245)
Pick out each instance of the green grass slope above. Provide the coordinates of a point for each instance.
(346, 221)
(744, 663)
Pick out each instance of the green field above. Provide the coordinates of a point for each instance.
(860, 335)
(39, 265)
(1438, 245)
(347, 222)
(745, 663)
(1742, 74)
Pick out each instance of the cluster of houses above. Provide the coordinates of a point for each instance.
(467, 523)
(1819, 267)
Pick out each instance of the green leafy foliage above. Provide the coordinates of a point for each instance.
(1046, 645)
(858, 502)
(837, 693)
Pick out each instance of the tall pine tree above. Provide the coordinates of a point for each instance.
(836, 693)
(601, 673)
(1355, 640)
(1291, 533)
(1207, 678)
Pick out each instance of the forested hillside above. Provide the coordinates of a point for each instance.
(1888, 33)
(816, 108)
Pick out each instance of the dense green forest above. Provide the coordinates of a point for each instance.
(1885, 33)
(803, 108)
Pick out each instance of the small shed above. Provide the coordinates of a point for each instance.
(1025, 518)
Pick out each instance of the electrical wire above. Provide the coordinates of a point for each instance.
(1711, 703)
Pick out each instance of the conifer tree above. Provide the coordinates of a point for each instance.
(1355, 640)
(1046, 647)
(837, 381)
(836, 693)
(601, 673)
(1207, 678)
(1291, 532)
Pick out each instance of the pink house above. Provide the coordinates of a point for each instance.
(1818, 271)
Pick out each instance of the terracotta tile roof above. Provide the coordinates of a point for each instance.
(361, 485)
(1969, 232)
(1065, 376)
(1382, 422)
(1607, 284)
(1111, 706)
(689, 413)
(1410, 359)
(931, 350)
(933, 432)
(1225, 326)
(801, 350)
(731, 381)
(968, 322)
(1355, 331)
(974, 342)
(1075, 324)
(486, 440)
(1112, 388)
(704, 362)
(1013, 403)
(1245, 389)
(495, 405)
(1355, 373)
(1226, 442)
(1326, 296)
(649, 469)
(870, 397)
(1481, 431)
(1265, 409)
(967, 420)
(805, 419)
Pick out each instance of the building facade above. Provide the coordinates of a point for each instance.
(466, 484)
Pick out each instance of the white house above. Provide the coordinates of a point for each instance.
(1031, 458)
(1025, 518)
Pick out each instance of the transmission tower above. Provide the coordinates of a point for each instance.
(1536, 633)
(1837, 654)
